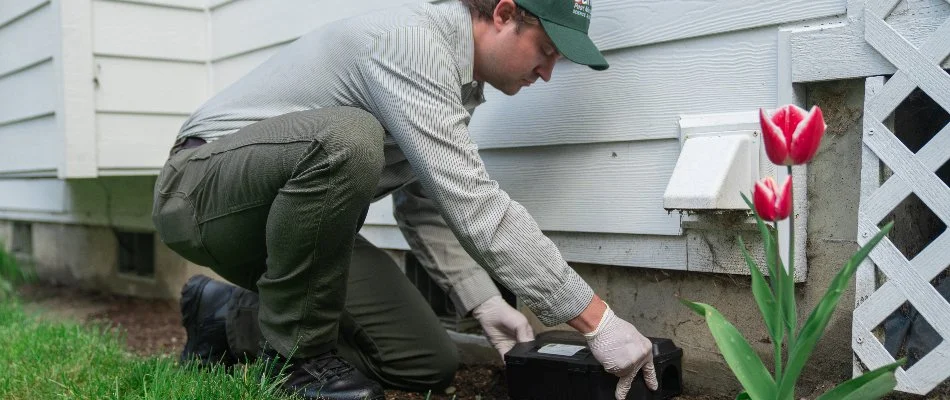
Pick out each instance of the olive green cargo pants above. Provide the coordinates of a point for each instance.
(275, 209)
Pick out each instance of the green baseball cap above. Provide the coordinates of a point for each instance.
(566, 22)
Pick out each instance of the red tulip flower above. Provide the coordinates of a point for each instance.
(770, 203)
(792, 136)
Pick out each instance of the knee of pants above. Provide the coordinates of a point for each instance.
(436, 371)
(362, 140)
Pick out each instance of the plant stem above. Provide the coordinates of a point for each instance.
(778, 362)
(779, 295)
(791, 262)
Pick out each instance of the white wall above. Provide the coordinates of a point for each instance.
(152, 72)
(28, 89)
(589, 153)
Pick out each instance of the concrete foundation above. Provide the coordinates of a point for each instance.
(87, 257)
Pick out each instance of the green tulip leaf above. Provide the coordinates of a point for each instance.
(763, 297)
(872, 385)
(743, 361)
(815, 325)
(743, 396)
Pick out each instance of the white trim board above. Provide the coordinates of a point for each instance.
(73, 65)
(841, 52)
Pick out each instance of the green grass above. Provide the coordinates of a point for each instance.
(62, 360)
(11, 273)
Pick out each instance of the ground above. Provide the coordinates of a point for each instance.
(153, 327)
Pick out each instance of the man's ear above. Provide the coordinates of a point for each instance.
(504, 13)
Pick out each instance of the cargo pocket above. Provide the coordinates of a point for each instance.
(177, 227)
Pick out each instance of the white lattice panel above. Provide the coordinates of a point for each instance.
(907, 281)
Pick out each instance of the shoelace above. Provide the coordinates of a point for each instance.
(329, 367)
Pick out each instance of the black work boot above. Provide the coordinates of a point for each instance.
(324, 377)
(203, 312)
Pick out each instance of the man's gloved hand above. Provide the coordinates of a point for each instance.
(504, 325)
(623, 351)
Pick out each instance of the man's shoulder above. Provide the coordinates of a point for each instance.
(440, 20)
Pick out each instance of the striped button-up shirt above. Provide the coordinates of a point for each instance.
(412, 68)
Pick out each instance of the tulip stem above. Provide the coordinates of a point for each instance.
(791, 261)
(778, 361)
(779, 295)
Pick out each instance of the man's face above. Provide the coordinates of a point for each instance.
(519, 57)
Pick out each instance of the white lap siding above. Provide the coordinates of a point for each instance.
(589, 153)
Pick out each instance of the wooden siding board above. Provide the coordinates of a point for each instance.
(640, 97)
(617, 23)
(36, 93)
(12, 9)
(228, 71)
(146, 86)
(716, 251)
(644, 251)
(44, 195)
(647, 251)
(128, 141)
(129, 197)
(137, 30)
(246, 25)
(123, 202)
(600, 187)
(28, 40)
(381, 212)
(607, 187)
(30, 146)
(198, 5)
(623, 23)
(385, 237)
(213, 4)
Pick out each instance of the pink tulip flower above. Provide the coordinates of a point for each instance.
(791, 136)
(770, 203)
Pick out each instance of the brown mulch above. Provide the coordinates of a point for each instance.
(149, 326)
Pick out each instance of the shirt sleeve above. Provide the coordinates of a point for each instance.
(439, 252)
(413, 86)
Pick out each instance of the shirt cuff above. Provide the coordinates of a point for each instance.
(473, 291)
(565, 303)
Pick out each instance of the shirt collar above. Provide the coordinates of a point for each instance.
(459, 17)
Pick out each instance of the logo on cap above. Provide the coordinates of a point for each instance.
(582, 8)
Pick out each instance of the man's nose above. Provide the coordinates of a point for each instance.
(546, 68)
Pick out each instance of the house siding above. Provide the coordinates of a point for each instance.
(151, 73)
(28, 90)
(589, 153)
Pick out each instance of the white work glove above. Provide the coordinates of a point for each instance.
(623, 351)
(503, 325)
